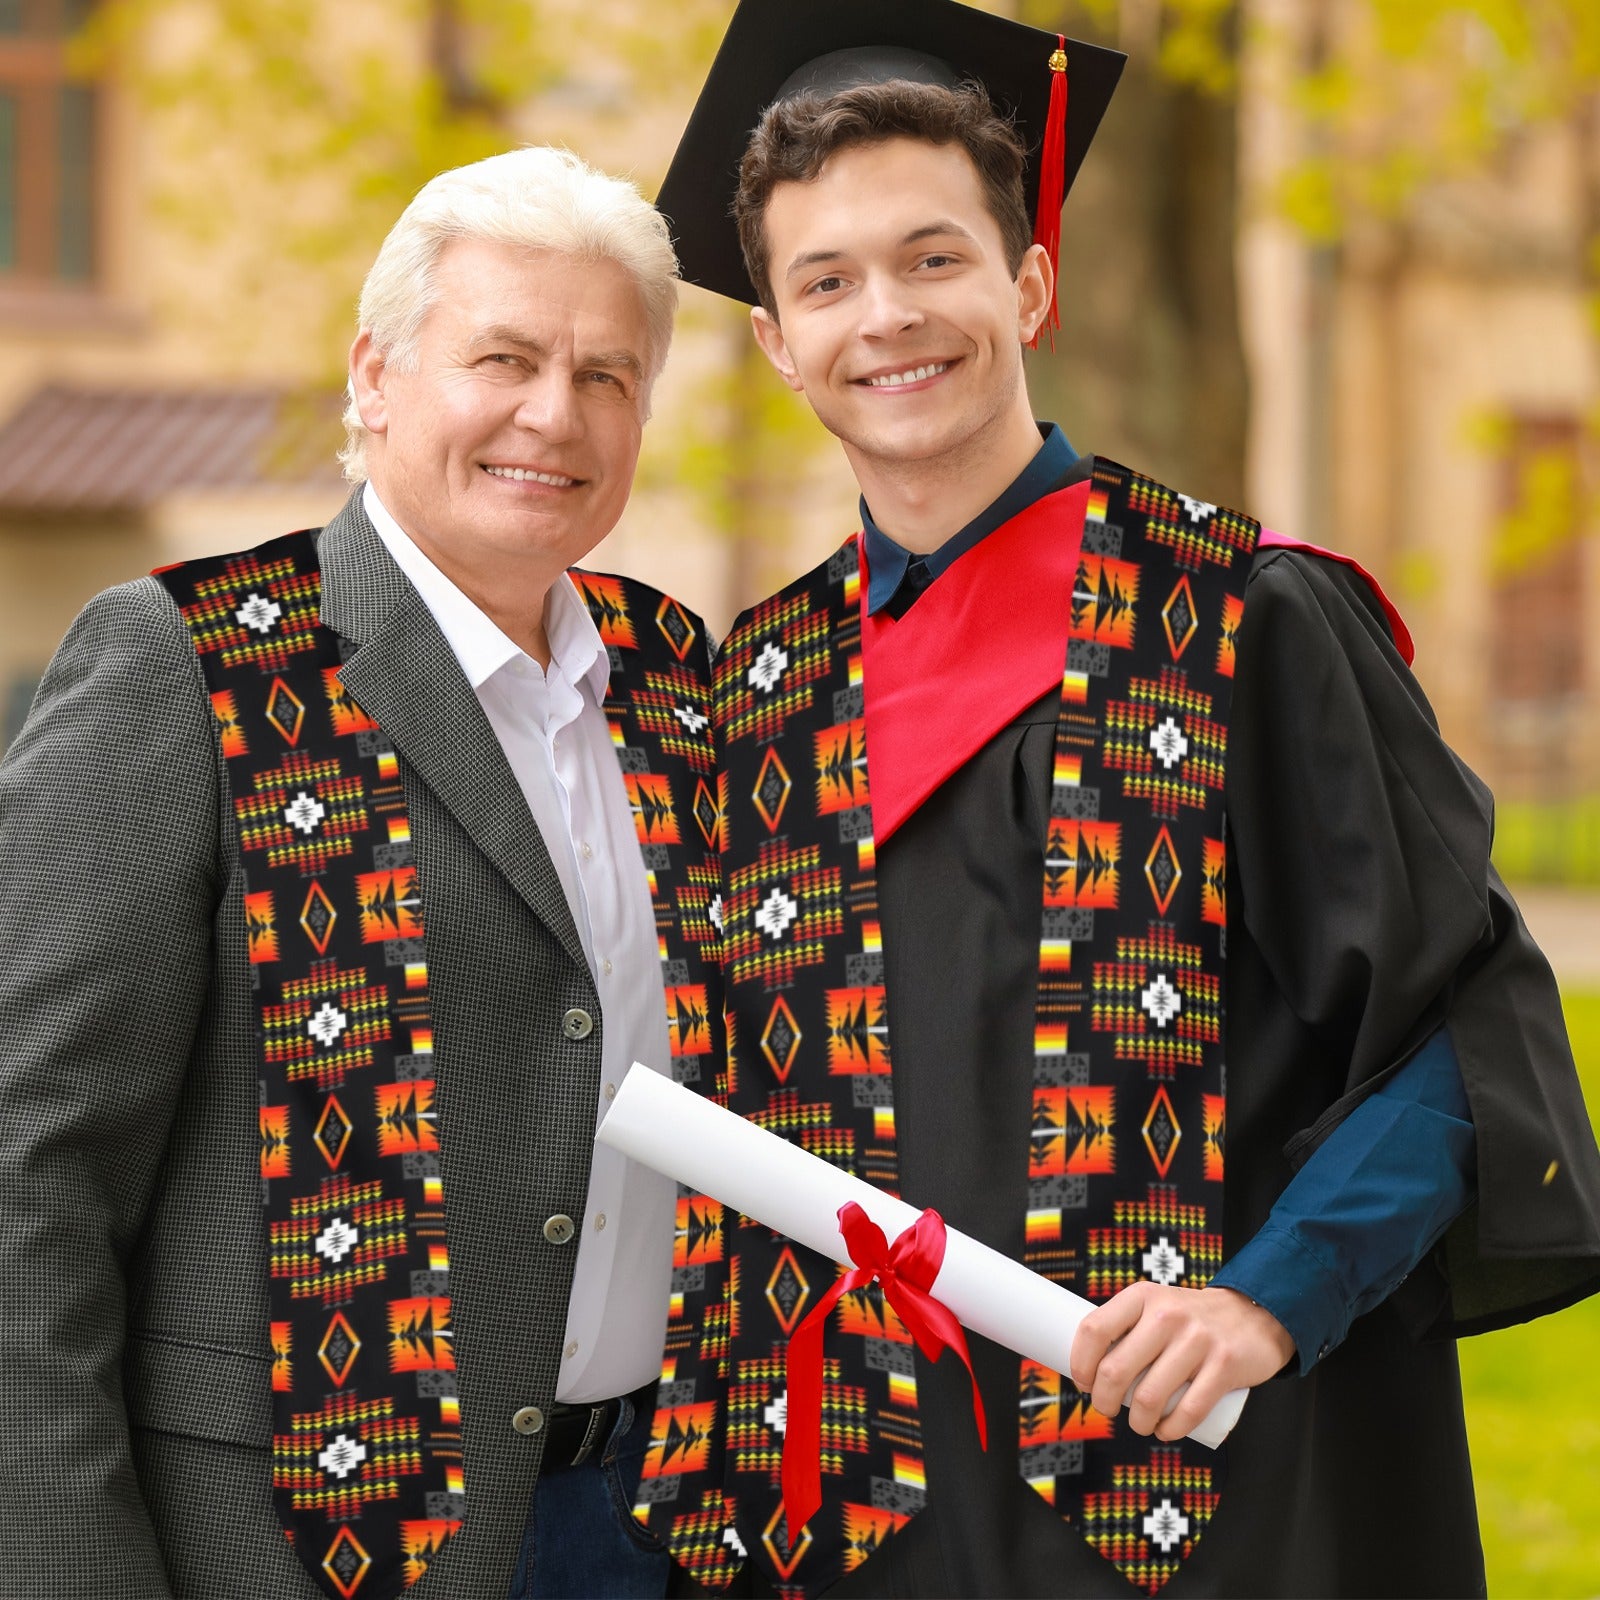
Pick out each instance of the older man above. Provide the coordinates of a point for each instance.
(339, 840)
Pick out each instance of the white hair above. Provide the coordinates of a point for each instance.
(536, 197)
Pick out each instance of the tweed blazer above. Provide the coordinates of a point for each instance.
(133, 1306)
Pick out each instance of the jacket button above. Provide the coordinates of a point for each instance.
(577, 1024)
(559, 1229)
(530, 1419)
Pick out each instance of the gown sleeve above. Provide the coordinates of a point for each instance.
(1359, 859)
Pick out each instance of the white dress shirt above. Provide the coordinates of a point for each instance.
(550, 724)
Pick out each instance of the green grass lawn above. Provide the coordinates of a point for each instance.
(1535, 1424)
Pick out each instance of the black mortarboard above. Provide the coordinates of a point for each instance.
(776, 48)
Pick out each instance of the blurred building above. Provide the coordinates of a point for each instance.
(1425, 396)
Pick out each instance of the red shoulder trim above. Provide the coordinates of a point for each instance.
(1397, 623)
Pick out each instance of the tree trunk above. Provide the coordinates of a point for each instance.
(1148, 367)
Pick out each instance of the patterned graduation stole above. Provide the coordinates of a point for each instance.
(366, 1449)
(1125, 1155)
(1125, 1150)
(366, 1446)
(659, 710)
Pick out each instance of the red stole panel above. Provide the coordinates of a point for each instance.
(981, 644)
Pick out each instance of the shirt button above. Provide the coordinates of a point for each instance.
(611, 1091)
(577, 1024)
(530, 1419)
(600, 1222)
(588, 851)
(559, 1229)
(572, 1349)
(607, 968)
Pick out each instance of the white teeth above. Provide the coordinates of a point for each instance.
(518, 475)
(913, 375)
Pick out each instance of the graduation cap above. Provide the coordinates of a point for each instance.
(775, 49)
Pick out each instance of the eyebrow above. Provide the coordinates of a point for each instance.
(940, 228)
(504, 334)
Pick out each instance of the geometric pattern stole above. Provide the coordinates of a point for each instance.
(366, 1448)
(1125, 1149)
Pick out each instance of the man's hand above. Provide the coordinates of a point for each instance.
(1212, 1339)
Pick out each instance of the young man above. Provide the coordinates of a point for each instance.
(1004, 827)
(386, 818)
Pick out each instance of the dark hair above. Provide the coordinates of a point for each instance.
(795, 138)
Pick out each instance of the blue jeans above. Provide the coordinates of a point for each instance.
(581, 1541)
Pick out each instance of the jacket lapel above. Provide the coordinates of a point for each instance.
(404, 675)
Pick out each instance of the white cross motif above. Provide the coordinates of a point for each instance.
(342, 1456)
(776, 1413)
(693, 720)
(1163, 1264)
(304, 812)
(714, 912)
(1165, 1525)
(776, 913)
(337, 1240)
(328, 1024)
(1199, 510)
(1160, 1000)
(259, 613)
(1169, 743)
(770, 665)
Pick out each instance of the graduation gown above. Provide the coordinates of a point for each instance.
(1363, 912)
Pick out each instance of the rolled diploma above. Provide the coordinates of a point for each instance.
(715, 1152)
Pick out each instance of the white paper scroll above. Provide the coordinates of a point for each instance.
(673, 1130)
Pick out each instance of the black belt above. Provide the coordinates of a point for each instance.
(573, 1433)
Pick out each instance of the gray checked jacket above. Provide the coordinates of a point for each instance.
(133, 1304)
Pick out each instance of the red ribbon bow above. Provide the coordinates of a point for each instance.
(906, 1269)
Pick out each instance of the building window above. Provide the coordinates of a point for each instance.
(47, 147)
(1537, 562)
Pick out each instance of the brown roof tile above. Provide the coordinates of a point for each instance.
(84, 450)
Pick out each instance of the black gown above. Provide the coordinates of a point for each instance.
(1362, 912)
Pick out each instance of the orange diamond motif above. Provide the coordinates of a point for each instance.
(1162, 1134)
(333, 1132)
(675, 626)
(785, 1565)
(707, 814)
(346, 1563)
(339, 1349)
(772, 788)
(1162, 871)
(787, 1290)
(317, 917)
(780, 1042)
(285, 711)
(1178, 618)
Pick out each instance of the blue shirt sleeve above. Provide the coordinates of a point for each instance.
(1367, 1206)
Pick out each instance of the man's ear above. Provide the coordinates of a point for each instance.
(367, 372)
(1036, 282)
(774, 347)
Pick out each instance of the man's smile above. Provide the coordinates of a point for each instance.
(555, 480)
(913, 377)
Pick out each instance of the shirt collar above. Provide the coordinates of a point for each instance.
(476, 640)
(888, 562)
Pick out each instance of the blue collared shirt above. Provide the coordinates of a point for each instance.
(889, 565)
(1379, 1192)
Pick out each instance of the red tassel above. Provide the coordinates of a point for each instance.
(1052, 182)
